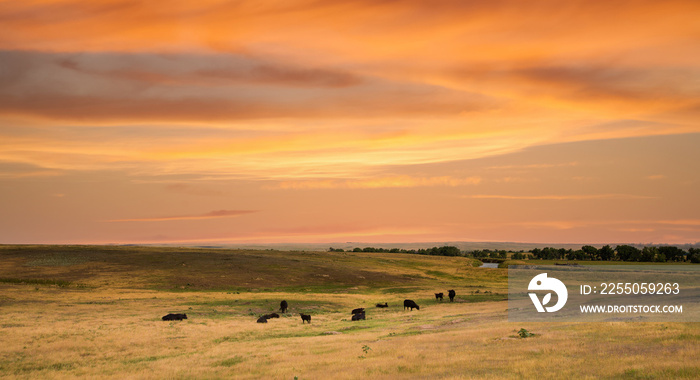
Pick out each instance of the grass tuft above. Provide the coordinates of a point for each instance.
(230, 362)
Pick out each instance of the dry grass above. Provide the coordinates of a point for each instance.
(107, 331)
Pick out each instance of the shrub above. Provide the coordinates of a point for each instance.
(525, 334)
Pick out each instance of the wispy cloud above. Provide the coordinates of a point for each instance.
(535, 166)
(209, 215)
(573, 197)
(680, 222)
(13, 170)
(375, 183)
(119, 87)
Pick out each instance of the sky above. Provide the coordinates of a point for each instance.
(263, 121)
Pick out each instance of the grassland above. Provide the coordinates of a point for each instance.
(82, 311)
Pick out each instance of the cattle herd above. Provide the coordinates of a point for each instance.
(357, 314)
(451, 293)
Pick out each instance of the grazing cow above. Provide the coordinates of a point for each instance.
(438, 296)
(358, 310)
(262, 319)
(411, 304)
(358, 316)
(305, 318)
(452, 295)
(382, 305)
(175, 317)
(283, 306)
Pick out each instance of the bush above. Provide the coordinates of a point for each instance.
(525, 334)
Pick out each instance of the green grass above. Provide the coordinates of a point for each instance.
(230, 362)
(33, 367)
(404, 290)
(443, 275)
(146, 359)
(36, 281)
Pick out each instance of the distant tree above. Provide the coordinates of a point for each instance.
(448, 250)
(672, 253)
(536, 253)
(562, 253)
(357, 249)
(549, 253)
(649, 254)
(589, 252)
(576, 255)
(628, 253)
(480, 254)
(694, 255)
(606, 253)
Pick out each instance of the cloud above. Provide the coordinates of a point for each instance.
(643, 225)
(573, 197)
(535, 166)
(325, 232)
(15, 170)
(377, 183)
(111, 87)
(199, 69)
(210, 215)
(657, 87)
(679, 222)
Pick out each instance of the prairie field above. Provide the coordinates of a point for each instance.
(95, 312)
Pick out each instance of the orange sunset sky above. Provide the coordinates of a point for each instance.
(330, 121)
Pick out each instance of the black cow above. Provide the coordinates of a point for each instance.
(175, 317)
(411, 304)
(305, 318)
(438, 296)
(358, 316)
(382, 305)
(358, 310)
(452, 295)
(262, 319)
(273, 315)
(283, 306)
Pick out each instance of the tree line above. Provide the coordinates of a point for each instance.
(660, 254)
(656, 254)
(434, 251)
